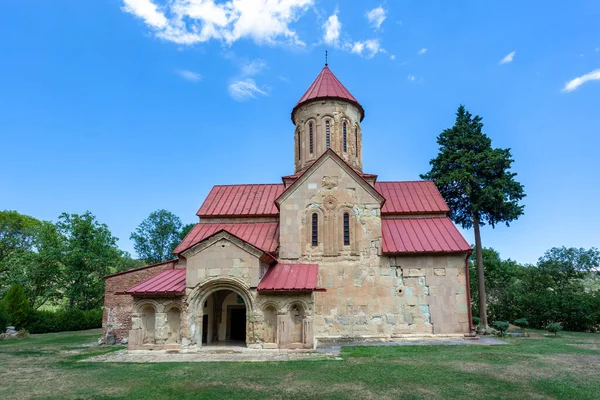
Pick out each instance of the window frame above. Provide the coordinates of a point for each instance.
(346, 228)
(315, 230)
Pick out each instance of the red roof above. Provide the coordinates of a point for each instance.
(411, 197)
(290, 277)
(423, 235)
(326, 86)
(241, 200)
(171, 281)
(263, 235)
(416, 197)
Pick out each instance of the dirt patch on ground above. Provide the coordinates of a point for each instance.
(590, 346)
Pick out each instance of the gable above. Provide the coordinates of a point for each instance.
(330, 166)
(262, 235)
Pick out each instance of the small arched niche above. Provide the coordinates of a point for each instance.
(148, 323)
(270, 327)
(296, 315)
(174, 325)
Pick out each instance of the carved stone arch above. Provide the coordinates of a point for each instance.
(269, 303)
(353, 225)
(287, 306)
(204, 289)
(307, 137)
(207, 287)
(345, 120)
(306, 228)
(332, 124)
(141, 303)
(173, 304)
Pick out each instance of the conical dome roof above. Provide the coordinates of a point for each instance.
(328, 86)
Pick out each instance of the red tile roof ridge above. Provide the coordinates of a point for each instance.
(408, 181)
(248, 184)
(171, 281)
(174, 260)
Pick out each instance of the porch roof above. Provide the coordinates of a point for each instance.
(290, 277)
(171, 281)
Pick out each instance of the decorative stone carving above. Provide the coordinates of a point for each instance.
(330, 182)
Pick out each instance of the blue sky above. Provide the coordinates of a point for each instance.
(122, 108)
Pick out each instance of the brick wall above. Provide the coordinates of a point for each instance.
(118, 307)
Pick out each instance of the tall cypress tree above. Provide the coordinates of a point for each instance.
(476, 182)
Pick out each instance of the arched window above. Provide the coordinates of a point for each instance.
(327, 135)
(356, 137)
(299, 146)
(344, 129)
(315, 229)
(310, 137)
(346, 229)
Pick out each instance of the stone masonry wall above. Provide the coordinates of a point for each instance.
(336, 112)
(394, 297)
(118, 307)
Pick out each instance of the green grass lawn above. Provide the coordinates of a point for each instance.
(565, 367)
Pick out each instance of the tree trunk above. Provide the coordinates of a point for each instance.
(480, 274)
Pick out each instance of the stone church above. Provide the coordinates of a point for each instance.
(329, 254)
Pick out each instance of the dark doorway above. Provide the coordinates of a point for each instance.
(205, 329)
(238, 324)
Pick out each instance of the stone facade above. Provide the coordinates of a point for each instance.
(318, 116)
(118, 308)
(330, 214)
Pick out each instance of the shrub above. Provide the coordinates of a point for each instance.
(3, 318)
(22, 334)
(554, 327)
(65, 320)
(522, 323)
(17, 306)
(502, 326)
(476, 321)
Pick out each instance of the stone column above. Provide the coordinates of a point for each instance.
(136, 321)
(160, 328)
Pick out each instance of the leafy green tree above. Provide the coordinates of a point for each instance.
(554, 327)
(157, 236)
(185, 230)
(126, 262)
(17, 232)
(476, 182)
(40, 271)
(90, 253)
(564, 264)
(502, 285)
(3, 317)
(17, 306)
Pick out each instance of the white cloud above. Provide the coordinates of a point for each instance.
(195, 21)
(147, 11)
(189, 75)
(508, 58)
(411, 78)
(332, 28)
(376, 17)
(253, 67)
(367, 48)
(422, 51)
(575, 83)
(245, 89)
(393, 57)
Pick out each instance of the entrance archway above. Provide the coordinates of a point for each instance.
(220, 312)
